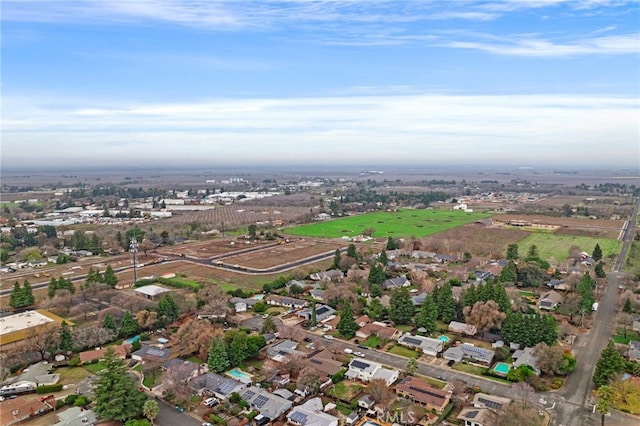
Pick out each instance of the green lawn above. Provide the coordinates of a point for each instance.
(195, 360)
(405, 328)
(403, 223)
(469, 368)
(95, 368)
(344, 391)
(71, 374)
(557, 246)
(373, 342)
(402, 351)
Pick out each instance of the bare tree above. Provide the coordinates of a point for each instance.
(294, 365)
(177, 378)
(195, 337)
(625, 321)
(550, 358)
(81, 309)
(379, 391)
(43, 340)
(309, 378)
(484, 315)
(514, 414)
(522, 392)
(92, 337)
(146, 245)
(146, 319)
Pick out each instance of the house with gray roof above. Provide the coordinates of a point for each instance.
(311, 413)
(151, 353)
(526, 357)
(281, 350)
(322, 312)
(492, 402)
(326, 276)
(418, 299)
(394, 283)
(317, 294)
(427, 345)
(475, 417)
(365, 370)
(289, 302)
(76, 416)
(550, 300)
(267, 404)
(214, 384)
(634, 350)
(469, 352)
(636, 325)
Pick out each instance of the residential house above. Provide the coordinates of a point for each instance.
(288, 302)
(334, 275)
(97, 354)
(379, 330)
(317, 294)
(550, 300)
(475, 417)
(311, 413)
(363, 320)
(636, 325)
(76, 416)
(427, 345)
(152, 292)
(492, 402)
(445, 258)
(322, 362)
(634, 350)
(418, 299)
(462, 328)
(291, 283)
(483, 276)
(213, 384)
(421, 392)
(470, 352)
(352, 418)
(151, 353)
(558, 285)
(192, 368)
(267, 404)
(526, 357)
(241, 305)
(394, 283)
(284, 393)
(322, 312)
(331, 323)
(366, 402)
(366, 370)
(282, 350)
(15, 410)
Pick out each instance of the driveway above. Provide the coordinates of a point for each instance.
(169, 416)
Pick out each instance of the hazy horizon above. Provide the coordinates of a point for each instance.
(191, 83)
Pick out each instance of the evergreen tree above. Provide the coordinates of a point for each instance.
(376, 274)
(167, 309)
(597, 253)
(117, 395)
(428, 314)
(15, 296)
(391, 244)
(376, 290)
(66, 340)
(512, 251)
(53, 286)
(347, 325)
(599, 270)
(268, 326)
(217, 360)
(509, 273)
(128, 326)
(314, 318)
(401, 309)
(236, 341)
(446, 303)
(337, 258)
(609, 364)
(375, 310)
(110, 277)
(412, 366)
(626, 307)
(383, 258)
(150, 409)
(27, 293)
(532, 252)
(352, 252)
(529, 329)
(109, 323)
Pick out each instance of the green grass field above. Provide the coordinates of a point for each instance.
(403, 223)
(557, 246)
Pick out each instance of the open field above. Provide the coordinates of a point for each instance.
(206, 249)
(295, 250)
(403, 223)
(475, 238)
(574, 226)
(557, 246)
(228, 217)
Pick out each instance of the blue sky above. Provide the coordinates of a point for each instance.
(205, 82)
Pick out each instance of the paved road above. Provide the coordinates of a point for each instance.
(169, 416)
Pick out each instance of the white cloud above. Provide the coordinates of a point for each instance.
(609, 45)
(419, 128)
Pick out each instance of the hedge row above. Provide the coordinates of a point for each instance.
(49, 388)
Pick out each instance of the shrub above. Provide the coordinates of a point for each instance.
(74, 362)
(82, 401)
(70, 399)
(260, 307)
(557, 383)
(49, 388)
(235, 397)
(144, 337)
(252, 414)
(243, 404)
(217, 420)
(60, 403)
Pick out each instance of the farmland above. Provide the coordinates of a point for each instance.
(229, 217)
(403, 223)
(557, 246)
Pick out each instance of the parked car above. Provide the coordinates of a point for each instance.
(363, 347)
(328, 336)
(210, 402)
(348, 351)
(451, 362)
(360, 354)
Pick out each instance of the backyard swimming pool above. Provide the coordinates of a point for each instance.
(240, 375)
(444, 339)
(502, 368)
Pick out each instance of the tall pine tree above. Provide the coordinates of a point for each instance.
(610, 364)
(217, 360)
(427, 315)
(347, 325)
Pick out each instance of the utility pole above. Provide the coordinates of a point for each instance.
(133, 248)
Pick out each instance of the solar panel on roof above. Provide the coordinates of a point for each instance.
(316, 361)
(489, 403)
(298, 417)
(226, 387)
(322, 310)
(155, 352)
(359, 364)
(412, 341)
(427, 392)
(248, 395)
(472, 414)
(260, 401)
